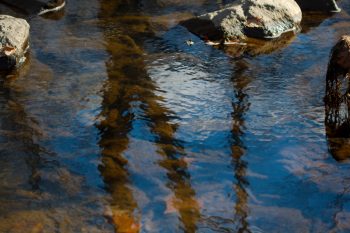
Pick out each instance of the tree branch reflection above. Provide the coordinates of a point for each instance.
(125, 29)
(240, 107)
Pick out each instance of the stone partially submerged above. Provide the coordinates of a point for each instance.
(340, 56)
(337, 100)
(247, 18)
(14, 41)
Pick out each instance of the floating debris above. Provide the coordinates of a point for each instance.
(189, 42)
(52, 6)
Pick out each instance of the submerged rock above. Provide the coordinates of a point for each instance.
(14, 41)
(318, 5)
(247, 18)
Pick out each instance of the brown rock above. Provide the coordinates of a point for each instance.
(340, 56)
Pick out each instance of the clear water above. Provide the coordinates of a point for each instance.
(115, 124)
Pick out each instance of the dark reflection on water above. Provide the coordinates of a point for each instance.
(25, 135)
(240, 107)
(115, 124)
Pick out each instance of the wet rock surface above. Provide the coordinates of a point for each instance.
(247, 18)
(14, 41)
(340, 57)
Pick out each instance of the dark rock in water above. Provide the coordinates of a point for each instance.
(318, 5)
(337, 100)
(340, 56)
(247, 18)
(14, 41)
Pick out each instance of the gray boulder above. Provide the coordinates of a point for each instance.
(247, 18)
(14, 41)
(318, 5)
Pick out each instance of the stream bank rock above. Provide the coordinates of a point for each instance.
(318, 5)
(340, 55)
(14, 41)
(247, 18)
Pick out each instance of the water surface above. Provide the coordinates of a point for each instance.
(115, 124)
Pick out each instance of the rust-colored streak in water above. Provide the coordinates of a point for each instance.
(173, 161)
(121, 88)
(127, 82)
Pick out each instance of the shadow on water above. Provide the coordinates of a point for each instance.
(312, 20)
(22, 130)
(22, 159)
(24, 7)
(29, 9)
(128, 83)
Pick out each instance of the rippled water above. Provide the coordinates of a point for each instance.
(114, 124)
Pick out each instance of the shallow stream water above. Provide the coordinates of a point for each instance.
(115, 124)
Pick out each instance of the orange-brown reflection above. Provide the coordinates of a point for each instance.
(183, 201)
(115, 127)
(128, 82)
(125, 77)
(240, 107)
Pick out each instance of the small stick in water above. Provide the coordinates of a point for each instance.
(51, 6)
